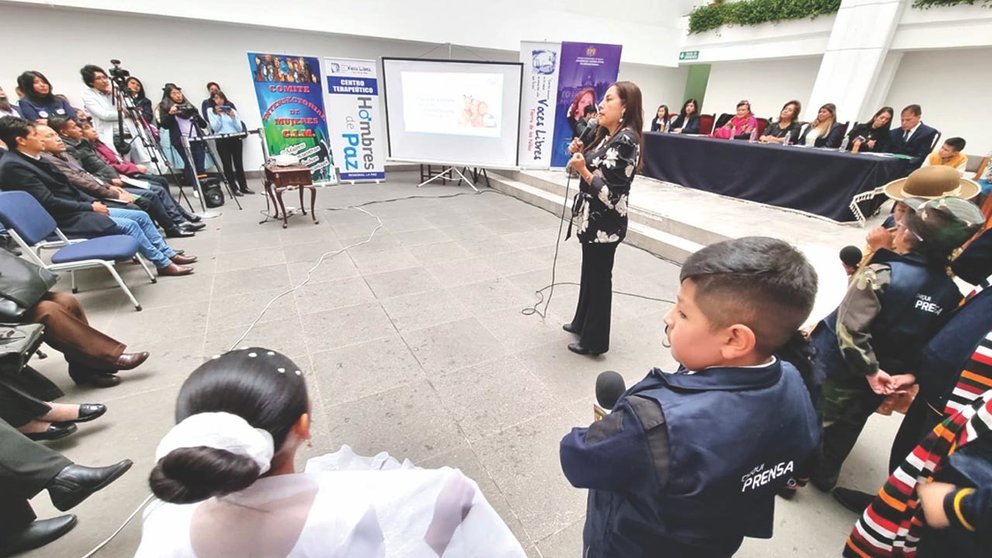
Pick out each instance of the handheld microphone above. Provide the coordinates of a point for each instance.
(851, 255)
(609, 387)
(590, 132)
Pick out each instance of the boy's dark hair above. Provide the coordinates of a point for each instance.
(761, 282)
(588, 110)
(13, 127)
(915, 110)
(89, 73)
(957, 143)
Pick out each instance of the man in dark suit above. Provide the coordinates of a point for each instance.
(913, 137)
(76, 213)
(27, 468)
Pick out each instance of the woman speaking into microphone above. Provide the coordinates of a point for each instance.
(606, 169)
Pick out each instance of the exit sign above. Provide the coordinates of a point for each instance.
(689, 55)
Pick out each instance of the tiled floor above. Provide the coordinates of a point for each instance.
(413, 342)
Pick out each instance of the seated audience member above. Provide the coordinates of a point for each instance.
(93, 357)
(144, 105)
(55, 153)
(27, 468)
(872, 136)
(949, 155)
(224, 119)
(79, 215)
(824, 130)
(212, 89)
(879, 328)
(740, 126)
(180, 118)
(786, 129)
(7, 109)
(687, 464)
(99, 102)
(228, 485)
(687, 122)
(662, 121)
(983, 174)
(82, 149)
(38, 102)
(912, 138)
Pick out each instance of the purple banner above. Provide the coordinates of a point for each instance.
(586, 71)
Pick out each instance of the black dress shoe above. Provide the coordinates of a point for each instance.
(580, 350)
(75, 483)
(193, 218)
(127, 361)
(247, 190)
(854, 500)
(570, 328)
(192, 227)
(88, 412)
(237, 193)
(56, 431)
(178, 233)
(36, 534)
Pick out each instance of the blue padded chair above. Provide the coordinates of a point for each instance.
(31, 226)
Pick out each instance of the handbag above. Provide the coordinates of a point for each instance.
(22, 284)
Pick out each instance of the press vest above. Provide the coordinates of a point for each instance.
(914, 305)
(735, 436)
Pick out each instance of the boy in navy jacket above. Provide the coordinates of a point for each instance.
(687, 464)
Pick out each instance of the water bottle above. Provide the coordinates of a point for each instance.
(843, 144)
(754, 135)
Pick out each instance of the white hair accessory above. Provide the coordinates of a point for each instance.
(223, 431)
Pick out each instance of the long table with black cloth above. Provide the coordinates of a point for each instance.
(818, 181)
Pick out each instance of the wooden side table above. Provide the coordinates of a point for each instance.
(279, 179)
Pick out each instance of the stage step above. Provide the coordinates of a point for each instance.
(647, 231)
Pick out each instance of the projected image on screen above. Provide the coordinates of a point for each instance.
(452, 111)
(460, 104)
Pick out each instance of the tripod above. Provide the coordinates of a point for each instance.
(208, 149)
(143, 131)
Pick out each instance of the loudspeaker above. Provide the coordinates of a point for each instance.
(213, 195)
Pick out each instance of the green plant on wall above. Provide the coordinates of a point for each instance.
(752, 12)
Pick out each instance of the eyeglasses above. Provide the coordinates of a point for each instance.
(903, 226)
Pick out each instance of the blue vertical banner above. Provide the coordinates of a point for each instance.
(538, 98)
(355, 124)
(291, 102)
(585, 72)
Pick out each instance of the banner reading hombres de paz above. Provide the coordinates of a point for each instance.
(585, 72)
(537, 109)
(352, 100)
(291, 102)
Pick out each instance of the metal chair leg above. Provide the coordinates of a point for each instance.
(72, 275)
(145, 267)
(122, 284)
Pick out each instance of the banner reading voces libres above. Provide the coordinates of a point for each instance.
(291, 102)
(352, 99)
(537, 109)
(585, 72)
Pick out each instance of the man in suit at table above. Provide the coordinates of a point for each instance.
(913, 137)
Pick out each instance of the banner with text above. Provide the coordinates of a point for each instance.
(352, 99)
(291, 102)
(537, 109)
(585, 72)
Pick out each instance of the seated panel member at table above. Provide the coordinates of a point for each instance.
(740, 126)
(687, 121)
(662, 122)
(787, 125)
(913, 138)
(823, 131)
(873, 135)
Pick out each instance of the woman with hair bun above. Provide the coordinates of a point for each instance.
(228, 486)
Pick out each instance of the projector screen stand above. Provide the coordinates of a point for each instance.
(453, 172)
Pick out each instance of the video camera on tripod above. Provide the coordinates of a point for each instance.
(119, 75)
(187, 110)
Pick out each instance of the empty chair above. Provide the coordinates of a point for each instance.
(706, 124)
(30, 225)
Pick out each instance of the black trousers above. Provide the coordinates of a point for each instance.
(230, 152)
(593, 311)
(23, 396)
(26, 467)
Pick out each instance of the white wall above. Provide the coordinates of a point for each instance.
(191, 53)
(646, 28)
(953, 88)
(767, 84)
(659, 86)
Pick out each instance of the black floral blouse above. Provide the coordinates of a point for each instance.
(600, 211)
